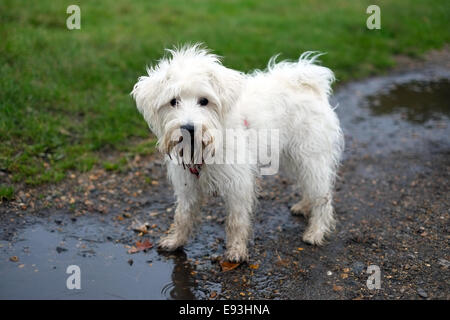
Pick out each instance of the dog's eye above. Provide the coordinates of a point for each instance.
(173, 102)
(203, 101)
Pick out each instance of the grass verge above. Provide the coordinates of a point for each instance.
(64, 95)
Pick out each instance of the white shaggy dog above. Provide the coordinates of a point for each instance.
(190, 90)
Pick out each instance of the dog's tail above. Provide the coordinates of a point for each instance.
(305, 72)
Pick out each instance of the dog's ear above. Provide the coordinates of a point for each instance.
(141, 93)
(227, 83)
(145, 93)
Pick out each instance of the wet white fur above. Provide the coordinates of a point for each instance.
(289, 96)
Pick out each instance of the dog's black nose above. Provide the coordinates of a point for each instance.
(189, 128)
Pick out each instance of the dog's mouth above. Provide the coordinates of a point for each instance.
(189, 154)
(194, 169)
(191, 165)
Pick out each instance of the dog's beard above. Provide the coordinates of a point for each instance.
(191, 152)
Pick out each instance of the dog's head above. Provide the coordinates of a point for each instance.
(185, 97)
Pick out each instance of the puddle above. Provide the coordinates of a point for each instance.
(407, 112)
(415, 101)
(107, 270)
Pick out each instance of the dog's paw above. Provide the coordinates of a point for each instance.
(314, 236)
(301, 208)
(170, 243)
(236, 254)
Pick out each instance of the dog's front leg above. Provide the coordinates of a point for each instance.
(187, 213)
(185, 217)
(238, 224)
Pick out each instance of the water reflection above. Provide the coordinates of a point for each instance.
(182, 284)
(416, 101)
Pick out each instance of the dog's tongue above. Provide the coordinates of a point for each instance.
(195, 169)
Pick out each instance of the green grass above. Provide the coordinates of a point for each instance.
(64, 95)
(6, 193)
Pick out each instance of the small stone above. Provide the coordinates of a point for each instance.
(422, 293)
(329, 273)
(60, 249)
(443, 262)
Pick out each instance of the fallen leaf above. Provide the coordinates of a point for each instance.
(14, 258)
(337, 288)
(213, 295)
(254, 266)
(227, 266)
(344, 276)
(133, 249)
(141, 246)
(282, 262)
(300, 249)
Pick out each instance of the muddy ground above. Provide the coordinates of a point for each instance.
(392, 203)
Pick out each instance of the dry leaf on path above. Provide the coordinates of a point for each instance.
(227, 266)
(141, 246)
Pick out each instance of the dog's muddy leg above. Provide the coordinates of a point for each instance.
(302, 207)
(187, 214)
(185, 218)
(321, 222)
(238, 224)
(317, 181)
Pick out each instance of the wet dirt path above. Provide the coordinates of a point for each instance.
(392, 203)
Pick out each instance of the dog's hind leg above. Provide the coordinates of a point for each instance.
(303, 207)
(317, 180)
